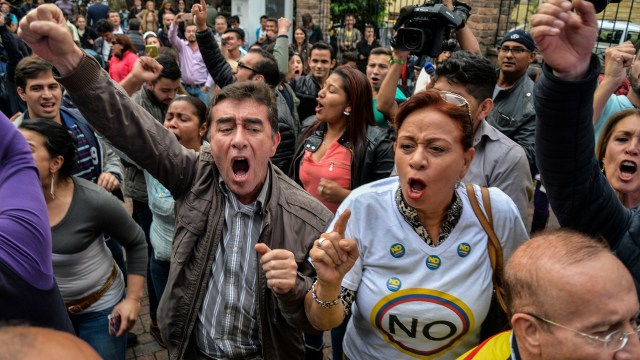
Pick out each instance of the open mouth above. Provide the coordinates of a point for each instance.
(319, 107)
(627, 169)
(240, 166)
(297, 72)
(416, 188)
(375, 79)
(48, 107)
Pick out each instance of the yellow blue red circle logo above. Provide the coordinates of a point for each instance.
(433, 262)
(422, 323)
(394, 284)
(397, 250)
(464, 249)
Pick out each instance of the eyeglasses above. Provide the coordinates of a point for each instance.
(515, 51)
(114, 42)
(613, 342)
(456, 99)
(243, 66)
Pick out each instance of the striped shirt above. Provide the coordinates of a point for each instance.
(227, 323)
(87, 155)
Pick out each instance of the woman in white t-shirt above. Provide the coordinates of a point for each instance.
(411, 264)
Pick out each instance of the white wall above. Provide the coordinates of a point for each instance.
(250, 12)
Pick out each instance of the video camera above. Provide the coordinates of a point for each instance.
(422, 29)
(600, 5)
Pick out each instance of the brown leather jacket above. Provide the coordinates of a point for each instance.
(293, 218)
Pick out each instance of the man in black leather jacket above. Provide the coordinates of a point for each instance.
(322, 58)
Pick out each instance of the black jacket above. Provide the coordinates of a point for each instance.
(316, 35)
(371, 162)
(306, 89)
(223, 75)
(578, 191)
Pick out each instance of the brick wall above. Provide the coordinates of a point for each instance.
(319, 10)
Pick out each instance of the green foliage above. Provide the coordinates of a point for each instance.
(365, 11)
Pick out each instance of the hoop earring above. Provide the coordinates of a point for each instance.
(53, 195)
(346, 113)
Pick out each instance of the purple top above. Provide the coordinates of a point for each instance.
(194, 71)
(25, 235)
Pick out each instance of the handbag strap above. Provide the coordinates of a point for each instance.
(493, 245)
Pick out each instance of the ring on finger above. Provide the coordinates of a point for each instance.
(320, 241)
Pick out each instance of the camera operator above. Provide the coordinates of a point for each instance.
(386, 103)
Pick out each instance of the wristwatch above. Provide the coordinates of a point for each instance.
(393, 60)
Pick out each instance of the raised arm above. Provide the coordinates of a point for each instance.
(617, 60)
(578, 192)
(386, 99)
(173, 34)
(281, 48)
(215, 61)
(126, 125)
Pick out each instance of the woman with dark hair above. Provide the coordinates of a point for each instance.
(167, 6)
(182, 6)
(618, 153)
(185, 118)
(80, 215)
(300, 45)
(123, 57)
(296, 67)
(343, 148)
(411, 263)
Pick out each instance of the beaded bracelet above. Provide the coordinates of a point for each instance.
(324, 304)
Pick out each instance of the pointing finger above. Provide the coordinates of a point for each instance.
(341, 224)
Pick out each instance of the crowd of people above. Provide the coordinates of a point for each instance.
(282, 184)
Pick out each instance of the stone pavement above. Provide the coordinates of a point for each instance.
(147, 347)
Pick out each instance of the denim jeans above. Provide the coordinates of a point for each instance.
(159, 275)
(197, 92)
(143, 217)
(93, 327)
(337, 338)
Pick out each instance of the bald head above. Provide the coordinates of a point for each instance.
(30, 343)
(548, 261)
(574, 280)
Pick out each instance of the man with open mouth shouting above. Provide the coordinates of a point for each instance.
(244, 230)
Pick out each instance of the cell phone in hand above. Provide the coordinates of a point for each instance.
(186, 17)
(114, 323)
(151, 50)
